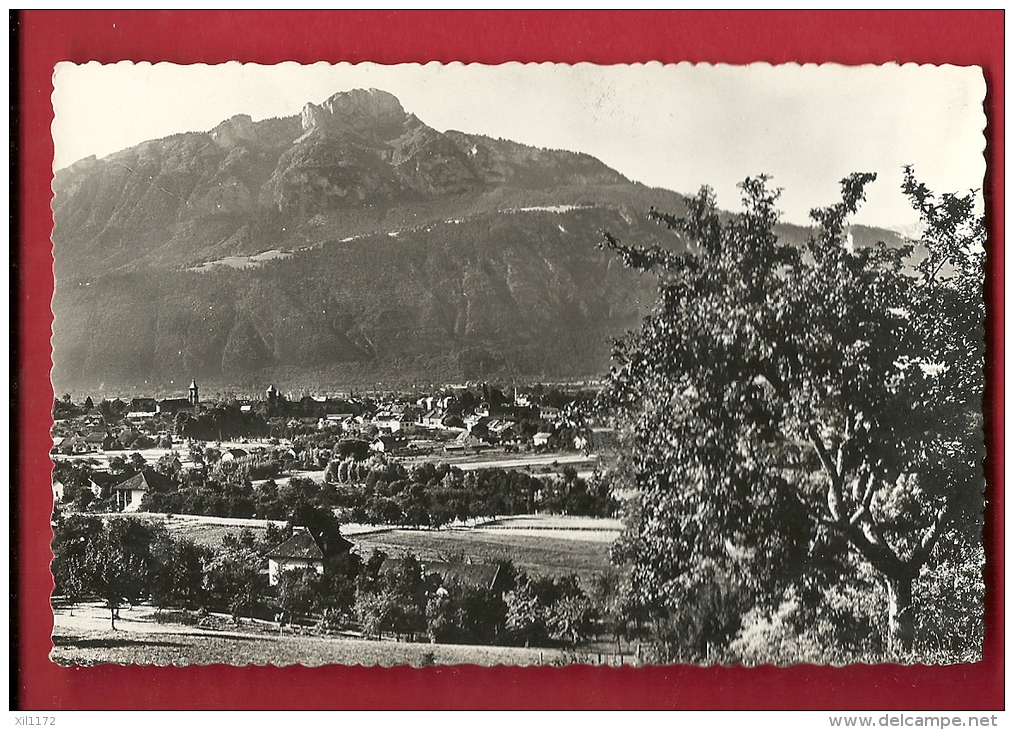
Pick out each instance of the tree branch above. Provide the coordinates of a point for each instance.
(864, 496)
(814, 515)
(869, 541)
(834, 493)
(929, 540)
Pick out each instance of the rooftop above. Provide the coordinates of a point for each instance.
(301, 545)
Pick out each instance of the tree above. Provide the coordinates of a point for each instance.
(338, 585)
(461, 612)
(609, 598)
(137, 462)
(526, 619)
(235, 579)
(298, 592)
(572, 618)
(357, 449)
(322, 524)
(178, 571)
(118, 562)
(373, 610)
(537, 610)
(117, 465)
(793, 412)
(73, 538)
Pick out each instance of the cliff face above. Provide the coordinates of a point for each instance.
(351, 243)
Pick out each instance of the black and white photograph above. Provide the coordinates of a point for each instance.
(518, 364)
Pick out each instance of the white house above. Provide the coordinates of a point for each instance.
(388, 444)
(433, 418)
(299, 551)
(541, 438)
(131, 491)
(233, 454)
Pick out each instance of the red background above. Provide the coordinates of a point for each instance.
(46, 37)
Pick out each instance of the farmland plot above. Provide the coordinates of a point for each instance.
(542, 552)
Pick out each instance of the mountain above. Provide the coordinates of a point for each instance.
(349, 245)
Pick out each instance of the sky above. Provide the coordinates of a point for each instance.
(673, 126)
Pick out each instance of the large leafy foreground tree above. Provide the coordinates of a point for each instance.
(801, 418)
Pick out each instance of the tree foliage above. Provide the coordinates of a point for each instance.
(791, 410)
(119, 561)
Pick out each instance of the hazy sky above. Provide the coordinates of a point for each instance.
(677, 126)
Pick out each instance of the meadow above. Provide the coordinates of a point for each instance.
(549, 545)
(542, 554)
(85, 639)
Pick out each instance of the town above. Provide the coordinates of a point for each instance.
(304, 511)
(280, 437)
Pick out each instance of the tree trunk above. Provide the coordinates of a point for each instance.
(112, 618)
(900, 613)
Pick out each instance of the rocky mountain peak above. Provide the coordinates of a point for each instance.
(358, 110)
(231, 131)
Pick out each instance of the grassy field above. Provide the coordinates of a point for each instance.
(535, 553)
(85, 639)
(542, 544)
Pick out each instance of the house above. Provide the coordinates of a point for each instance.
(139, 415)
(131, 491)
(513, 412)
(143, 404)
(175, 405)
(541, 438)
(141, 408)
(101, 483)
(433, 418)
(387, 444)
(392, 421)
(470, 440)
(549, 413)
(234, 454)
(474, 575)
(99, 441)
(332, 420)
(58, 489)
(75, 445)
(477, 575)
(302, 550)
(481, 432)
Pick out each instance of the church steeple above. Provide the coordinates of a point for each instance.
(195, 396)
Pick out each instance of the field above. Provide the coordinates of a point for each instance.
(543, 544)
(209, 531)
(539, 464)
(85, 639)
(540, 553)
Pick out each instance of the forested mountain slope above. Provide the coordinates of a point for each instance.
(352, 244)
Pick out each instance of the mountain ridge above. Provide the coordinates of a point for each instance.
(401, 253)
